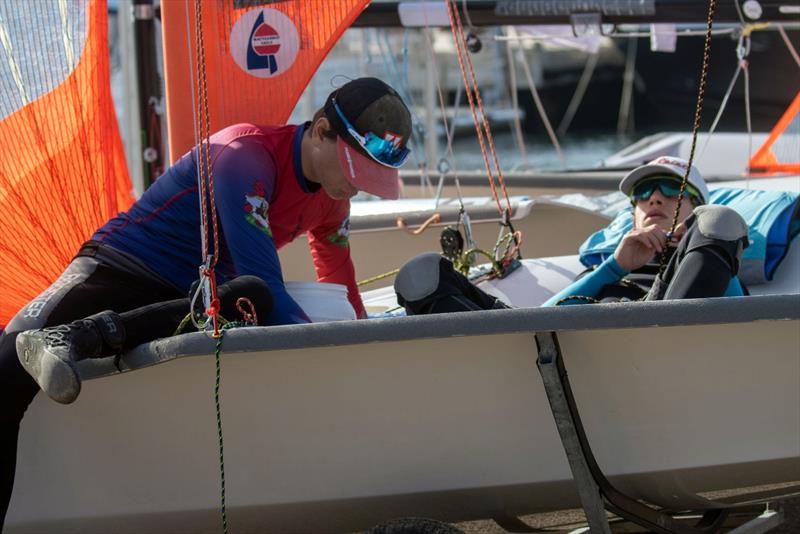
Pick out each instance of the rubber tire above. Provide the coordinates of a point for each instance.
(414, 525)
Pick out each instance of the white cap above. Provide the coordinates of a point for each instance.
(665, 165)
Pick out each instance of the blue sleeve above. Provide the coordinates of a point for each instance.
(244, 179)
(590, 285)
(734, 288)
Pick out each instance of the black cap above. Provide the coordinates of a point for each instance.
(371, 106)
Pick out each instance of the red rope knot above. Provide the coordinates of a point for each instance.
(213, 308)
(249, 317)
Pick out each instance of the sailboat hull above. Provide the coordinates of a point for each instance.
(333, 427)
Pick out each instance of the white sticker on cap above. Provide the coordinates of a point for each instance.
(666, 160)
(264, 42)
(350, 165)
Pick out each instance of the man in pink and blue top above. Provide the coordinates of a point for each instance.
(128, 284)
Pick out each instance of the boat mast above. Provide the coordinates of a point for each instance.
(149, 91)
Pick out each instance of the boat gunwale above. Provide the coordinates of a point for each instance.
(688, 312)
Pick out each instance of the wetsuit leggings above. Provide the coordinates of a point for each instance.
(702, 273)
(148, 308)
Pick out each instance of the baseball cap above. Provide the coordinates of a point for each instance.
(665, 165)
(373, 126)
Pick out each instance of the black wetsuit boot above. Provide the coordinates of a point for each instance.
(50, 354)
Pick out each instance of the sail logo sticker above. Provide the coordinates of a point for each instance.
(264, 42)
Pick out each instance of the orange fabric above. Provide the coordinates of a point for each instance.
(764, 161)
(236, 94)
(62, 167)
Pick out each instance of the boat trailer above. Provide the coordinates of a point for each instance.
(597, 494)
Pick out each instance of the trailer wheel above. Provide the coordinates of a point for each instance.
(414, 525)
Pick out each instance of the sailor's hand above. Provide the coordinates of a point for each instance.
(639, 246)
(676, 236)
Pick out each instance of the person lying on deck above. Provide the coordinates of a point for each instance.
(702, 256)
(128, 285)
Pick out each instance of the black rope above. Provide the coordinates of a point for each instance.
(712, 7)
(217, 404)
(219, 432)
(584, 298)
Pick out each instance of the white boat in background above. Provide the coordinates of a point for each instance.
(722, 156)
(550, 227)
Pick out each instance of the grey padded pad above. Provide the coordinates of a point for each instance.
(419, 277)
(720, 222)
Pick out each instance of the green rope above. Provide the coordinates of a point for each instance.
(186, 321)
(218, 361)
(219, 431)
(462, 264)
(183, 324)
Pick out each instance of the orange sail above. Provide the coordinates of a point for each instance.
(62, 166)
(259, 57)
(780, 153)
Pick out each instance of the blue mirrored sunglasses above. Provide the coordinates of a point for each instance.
(669, 187)
(381, 150)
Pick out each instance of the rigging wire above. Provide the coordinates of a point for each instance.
(626, 100)
(712, 6)
(444, 165)
(205, 177)
(742, 51)
(721, 110)
(747, 114)
(789, 45)
(539, 106)
(580, 91)
(205, 180)
(207, 202)
(471, 86)
(472, 89)
(467, 18)
(512, 81)
(449, 128)
(392, 70)
(460, 45)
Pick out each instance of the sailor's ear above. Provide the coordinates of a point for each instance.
(321, 129)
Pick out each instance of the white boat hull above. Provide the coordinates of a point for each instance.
(335, 427)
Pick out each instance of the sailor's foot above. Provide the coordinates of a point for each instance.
(49, 355)
(46, 356)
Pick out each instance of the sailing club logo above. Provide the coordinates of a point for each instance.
(264, 42)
